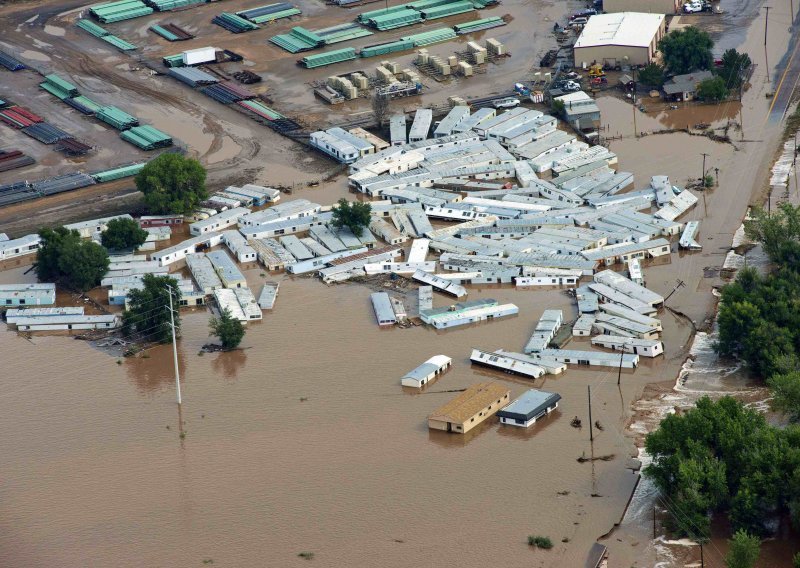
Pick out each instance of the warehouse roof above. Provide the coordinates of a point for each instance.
(633, 29)
(470, 402)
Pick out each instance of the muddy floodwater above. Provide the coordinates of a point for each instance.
(302, 441)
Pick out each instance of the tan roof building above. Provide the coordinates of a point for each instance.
(646, 6)
(623, 38)
(470, 408)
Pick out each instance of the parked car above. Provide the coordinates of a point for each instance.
(583, 14)
(510, 102)
(580, 21)
(692, 7)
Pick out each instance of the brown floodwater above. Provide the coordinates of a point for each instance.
(302, 441)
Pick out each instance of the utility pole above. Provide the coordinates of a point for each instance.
(619, 371)
(716, 171)
(174, 348)
(766, 24)
(635, 132)
(680, 283)
(703, 177)
(654, 522)
(591, 432)
(702, 560)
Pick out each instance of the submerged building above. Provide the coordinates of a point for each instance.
(470, 408)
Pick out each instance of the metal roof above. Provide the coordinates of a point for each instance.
(634, 29)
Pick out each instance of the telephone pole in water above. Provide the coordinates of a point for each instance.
(174, 348)
(766, 24)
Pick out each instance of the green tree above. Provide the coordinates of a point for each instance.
(68, 260)
(786, 393)
(557, 107)
(172, 183)
(734, 64)
(796, 560)
(123, 234)
(713, 89)
(354, 215)
(774, 230)
(652, 75)
(229, 330)
(686, 50)
(743, 550)
(148, 315)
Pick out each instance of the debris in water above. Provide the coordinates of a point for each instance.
(303, 398)
(576, 422)
(598, 425)
(605, 458)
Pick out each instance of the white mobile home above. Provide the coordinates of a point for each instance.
(644, 347)
(34, 294)
(506, 363)
(13, 248)
(528, 408)
(218, 222)
(382, 306)
(426, 372)
(178, 252)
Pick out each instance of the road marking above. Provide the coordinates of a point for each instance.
(780, 84)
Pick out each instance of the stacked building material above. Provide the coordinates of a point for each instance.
(72, 147)
(171, 32)
(246, 77)
(120, 44)
(10, 63)
(297, 40)
(431, 37)
(478, 25)
(121, 10)
(342, 32)
(233, 23)
(66, 182)
(46, 133)
(192, 77)
(12, 159)
(445, 10)
(16, 192)
(173, 60)
(260, 109)
(396, 19)
(92, 28)
(269, 13)
(328, 58)
(83, 105)
(167, 5)
(19, 117)
(386, 48)
(117, 118)
(117, 173)
(146, 137)
(227, 92)
(58, 87)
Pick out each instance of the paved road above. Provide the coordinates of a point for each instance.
(788, 80)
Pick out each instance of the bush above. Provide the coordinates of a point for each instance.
(540, 542)
(713, 90)
(229, 330)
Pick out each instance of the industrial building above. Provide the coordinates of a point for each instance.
(426, 372)
(622, 38)
(470, 408)
(528, 408)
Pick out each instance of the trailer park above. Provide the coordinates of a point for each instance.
(459, 208)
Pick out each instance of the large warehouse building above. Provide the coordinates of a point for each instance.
(626, 38)
(648, 6)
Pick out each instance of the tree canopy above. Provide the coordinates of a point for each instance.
(743, 550)
(67, 259)
(354, 215)
(713, 89)
(734, 64)
(723, 457)
(227, 329)
(652, 75)
(686, 50)
(172, 183)
(147, 317)
(123, 233)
